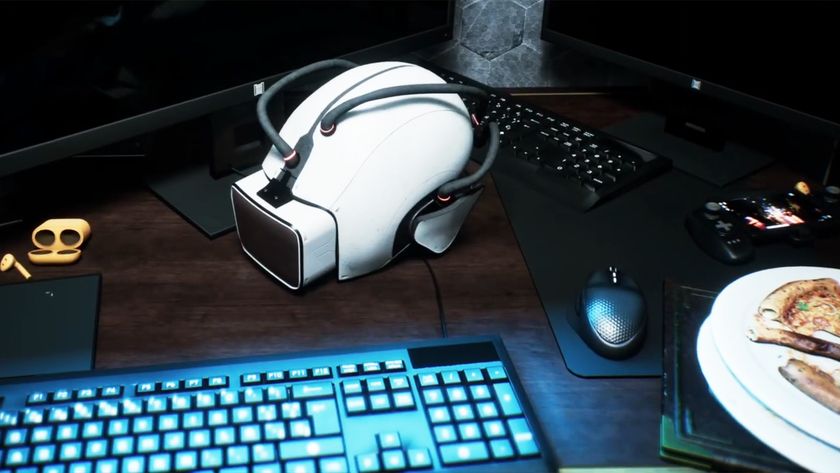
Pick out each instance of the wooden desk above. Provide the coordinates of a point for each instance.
(169, 294)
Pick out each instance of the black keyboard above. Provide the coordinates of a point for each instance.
(575, 165)
(453, 404)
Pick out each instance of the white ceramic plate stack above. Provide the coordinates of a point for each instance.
(744, 375)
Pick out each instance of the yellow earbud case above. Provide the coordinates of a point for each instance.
(58, 241)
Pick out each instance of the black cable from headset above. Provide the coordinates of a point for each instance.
(465, 182)
(262, 104)
(441, 314)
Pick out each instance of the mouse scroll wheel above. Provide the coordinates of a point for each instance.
(613, 274)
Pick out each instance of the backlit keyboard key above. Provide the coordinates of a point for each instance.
(333, 465)
(507, 400)
(43, 454)
(352, 387)
(36, 398)
(380, 402)
(393, 460)
(253, 396)
(480, 392)
(110, 391)
(394, 365)
(298, 374)
(160, 463)
(322, 372)
(522, 437)
(144, 388)
(501, 449)
(239, 455)
(403, 400)
(348, 370)
(134, 465)
(419, 458)
(62, 395)
(463, 453)
(122, 446)
(433, 396)
(445, 433)
(251, 378)
(185, 461)
(301, 466)
(70, 451)
(311, 390)
(473, 376)
(96, 449)
(16, 437)
(42, 434)
(375, 384)
(199, 438)
(386, 440)
(371, 367)
(355, 404)
(398, 382)
(428, 379)
(469, 431)
(194, 383)
(487, 410)
(325, 420)
(263, 452)
(367, 463)
(173, 441)
(450, 377)
(439, 415)
(322, 447)
(496, 373)
(216, 382)
(212, 458)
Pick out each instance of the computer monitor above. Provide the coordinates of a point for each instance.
(78, 76)
(743, 81)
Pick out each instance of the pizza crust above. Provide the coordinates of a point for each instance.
(814, 382)
(805, 306)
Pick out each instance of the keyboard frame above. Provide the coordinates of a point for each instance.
(21, 387)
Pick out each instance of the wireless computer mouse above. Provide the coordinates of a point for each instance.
(612, 314)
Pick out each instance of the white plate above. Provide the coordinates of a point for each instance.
(755, 365)
(790, 442)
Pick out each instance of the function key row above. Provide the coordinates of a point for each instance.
(176, 385)
(371, 367)
(279, 376)
(68, 395)
(477, 375)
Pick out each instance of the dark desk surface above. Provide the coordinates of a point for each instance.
(170, 294)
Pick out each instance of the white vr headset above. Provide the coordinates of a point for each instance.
(375, 167)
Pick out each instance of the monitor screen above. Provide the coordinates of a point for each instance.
(773, 57)
(76, 76)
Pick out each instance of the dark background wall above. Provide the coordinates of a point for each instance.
(497, 42)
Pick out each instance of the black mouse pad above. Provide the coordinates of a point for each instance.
(48, 326)
(640, 231)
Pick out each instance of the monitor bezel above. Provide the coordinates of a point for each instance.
(685, 81)
(83, 141)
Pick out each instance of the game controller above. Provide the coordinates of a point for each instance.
(728, 230)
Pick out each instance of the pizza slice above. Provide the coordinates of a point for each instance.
(816, 383)
(805, 306)
(760, 332)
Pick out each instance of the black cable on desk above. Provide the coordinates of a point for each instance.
(441, 314)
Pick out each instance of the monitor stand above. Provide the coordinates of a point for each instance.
(730, 162)
(195, 164)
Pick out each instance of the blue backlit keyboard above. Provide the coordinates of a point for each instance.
(452, 405)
